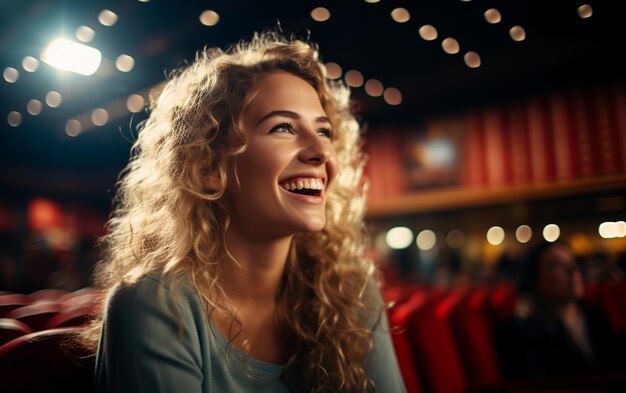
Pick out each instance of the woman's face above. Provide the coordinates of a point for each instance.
(560, 279)
(285, 173)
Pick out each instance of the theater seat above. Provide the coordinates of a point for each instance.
(474, 334)
(47, 294)
(11, 329)
(45, 361)
(75, 317)
(402, 342)
(11, 301)
(434, 346)
(35, 315)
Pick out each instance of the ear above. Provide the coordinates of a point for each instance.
(214, 182)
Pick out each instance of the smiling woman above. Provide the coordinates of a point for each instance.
(235, 254)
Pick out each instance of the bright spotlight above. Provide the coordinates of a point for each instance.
(72, 56)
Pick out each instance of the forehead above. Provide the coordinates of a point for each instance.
(558, 253)
(284, 91)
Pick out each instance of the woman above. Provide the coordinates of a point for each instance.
(555, 333)
(235, 253)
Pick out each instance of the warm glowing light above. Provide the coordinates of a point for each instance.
(374, 88)
(124, 63)
(392, 96)
(450, 46)
(517, 33)
(85, 34)
(11, 75)
(320, 14)
(354, 78)
(495, 235)
(400, 15)
(333, 70)
(53, 99)
(551, 232)
(34, 107)
(209, 18)
(30, 64)
(107, 18)
(73, 127)
(99, 117)
(399, 238)
(608, 230)
(492, 15)
(14, 119)
(620, 229)
(523, 233)
(472, 59)
(426, 240)
(428, 32)
(372, 1)
(72, 56)
(135, 103)
(585, 11)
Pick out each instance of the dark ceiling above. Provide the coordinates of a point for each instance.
(561, 50)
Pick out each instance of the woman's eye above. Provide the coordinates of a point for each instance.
(327, 132)
(283, 127)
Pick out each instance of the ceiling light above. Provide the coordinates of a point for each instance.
(72, 56)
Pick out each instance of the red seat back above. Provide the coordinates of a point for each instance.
(435, 348)
(10, 302)
(35, 315)
(45, 362)
(75, 317)
(11, 329)
(403, 343)
(474, 334)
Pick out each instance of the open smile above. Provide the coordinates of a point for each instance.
(306, 189)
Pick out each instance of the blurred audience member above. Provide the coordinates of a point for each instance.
(68, 277)
(555, 333)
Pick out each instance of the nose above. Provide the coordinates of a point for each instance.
(315, 149)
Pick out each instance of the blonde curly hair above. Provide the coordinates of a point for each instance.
(166, 220)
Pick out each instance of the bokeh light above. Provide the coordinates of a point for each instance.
(495, 235)
(400, 15)
(392, 96)
(374, 88)
(34, 107)
(30, 64)
(124, 63)
(14, 118)
(99, 117)
(428, 32)
(320, 14)
(11, 75)
(53, 99)
(354, 78)
(472, 59)
(107, 18)
(517, 33)
(333, 70)
(209, 18)
(426, 240)
(85, 34)
(551, 232)
(399, 237)
(523, 233)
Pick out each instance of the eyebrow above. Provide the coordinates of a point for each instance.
(292, 115)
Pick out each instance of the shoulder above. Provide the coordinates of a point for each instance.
(153, 295)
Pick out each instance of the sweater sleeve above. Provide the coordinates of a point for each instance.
(381, 364)
(149, 342)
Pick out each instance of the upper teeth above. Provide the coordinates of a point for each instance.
(299, 184)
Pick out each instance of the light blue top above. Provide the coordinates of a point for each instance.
(145, 348)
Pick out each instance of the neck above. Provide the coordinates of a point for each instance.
(257, 276)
